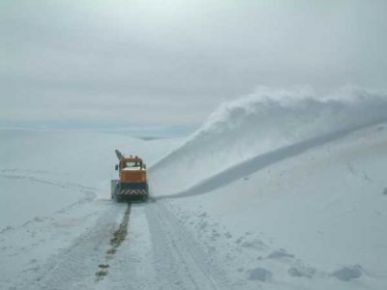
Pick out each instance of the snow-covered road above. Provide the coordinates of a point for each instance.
(159, 253)
(58, 227)
(77, 248)
(267, 210)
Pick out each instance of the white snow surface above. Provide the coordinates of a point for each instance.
(300, 205)
(314, 221)
(263, 122)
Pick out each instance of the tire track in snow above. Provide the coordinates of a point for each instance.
(179, 261)
(118, 237)
(74, 266)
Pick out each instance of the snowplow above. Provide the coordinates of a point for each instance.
(132, 184)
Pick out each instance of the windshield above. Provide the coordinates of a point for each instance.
(132, 164)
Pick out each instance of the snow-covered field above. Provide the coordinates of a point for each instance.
(55, 205)
(268, 194)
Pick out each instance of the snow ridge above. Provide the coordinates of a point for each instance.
(262, 122)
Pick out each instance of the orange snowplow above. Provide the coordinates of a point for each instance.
(132, 184)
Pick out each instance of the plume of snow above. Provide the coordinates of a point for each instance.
(262, 122)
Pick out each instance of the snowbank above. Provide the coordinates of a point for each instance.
(316, 221)
(260, 123)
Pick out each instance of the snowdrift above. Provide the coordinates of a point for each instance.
(264, 122)
(315, 221)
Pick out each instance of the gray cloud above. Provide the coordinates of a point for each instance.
(171, 62)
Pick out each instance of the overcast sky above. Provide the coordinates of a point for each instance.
(171, 62)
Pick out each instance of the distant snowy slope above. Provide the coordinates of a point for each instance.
(263, 122)
(82, 156)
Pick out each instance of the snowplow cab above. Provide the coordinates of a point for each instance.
(132, 184)
(132, 170)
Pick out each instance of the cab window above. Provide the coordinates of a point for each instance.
(131, 164)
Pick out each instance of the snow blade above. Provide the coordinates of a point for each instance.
(129, 191)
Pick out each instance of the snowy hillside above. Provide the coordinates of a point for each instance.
(314, 221)
(263, 122)
(287, 193)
